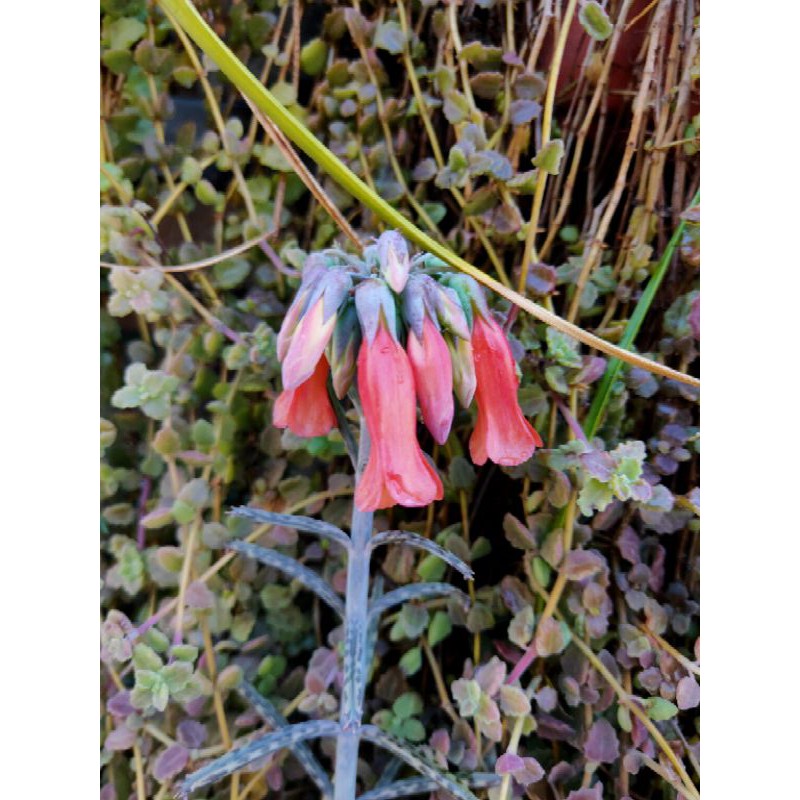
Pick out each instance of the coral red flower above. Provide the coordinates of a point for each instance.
(306, 410)
(502, 434)
(397, 470)
(433, 378)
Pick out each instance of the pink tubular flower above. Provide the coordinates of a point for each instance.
(502, 434)
(433, 378)
(306, 410)
(397, 470)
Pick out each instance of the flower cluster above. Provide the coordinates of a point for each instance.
(404, 337)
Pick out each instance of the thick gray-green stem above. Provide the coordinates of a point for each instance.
(355, 638)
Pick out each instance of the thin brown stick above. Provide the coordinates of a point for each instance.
(304, 174)
(639, 106)
(583, 131)
(194, 265)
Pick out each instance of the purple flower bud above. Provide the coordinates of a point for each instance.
(373, 300)
(416, 303)
(393, 256)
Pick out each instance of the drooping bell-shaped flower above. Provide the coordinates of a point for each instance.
(433, 378)
(315, 328)
(429, 357)
(397, 470)
(394, 259)
(306, 410)
(501, 434)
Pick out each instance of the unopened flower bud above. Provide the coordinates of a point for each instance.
(469, 294)
(373, 301)
(394, 260)
(449, 311)
(417, 304)
(464, 380)
(343, 348)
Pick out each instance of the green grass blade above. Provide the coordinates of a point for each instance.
(592, 421)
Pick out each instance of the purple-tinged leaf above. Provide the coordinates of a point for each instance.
(546, 698)
(199, 596)
(274, 778)
(561, 773)
(592, 370)
(115, 644)
(628, 544)
(514, 701)
(490, 676)
(518, 534)
(541, 277)
(632, 761)
(548, 727)
(171, 762)
(650, 679)
(508, 764)
(531, 772)
(598, 464)
(440, 741)
(119, 704)
(120, 738)
(593, 793)
(523, 111)
(191, 733)
(602, 744)
(513, 60)
(687, 693)
(582, 564)
(424, 171)
(551, 637)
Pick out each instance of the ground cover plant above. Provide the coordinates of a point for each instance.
(399, 397)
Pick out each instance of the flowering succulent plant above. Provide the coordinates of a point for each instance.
(417, 339)
(248, 356)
